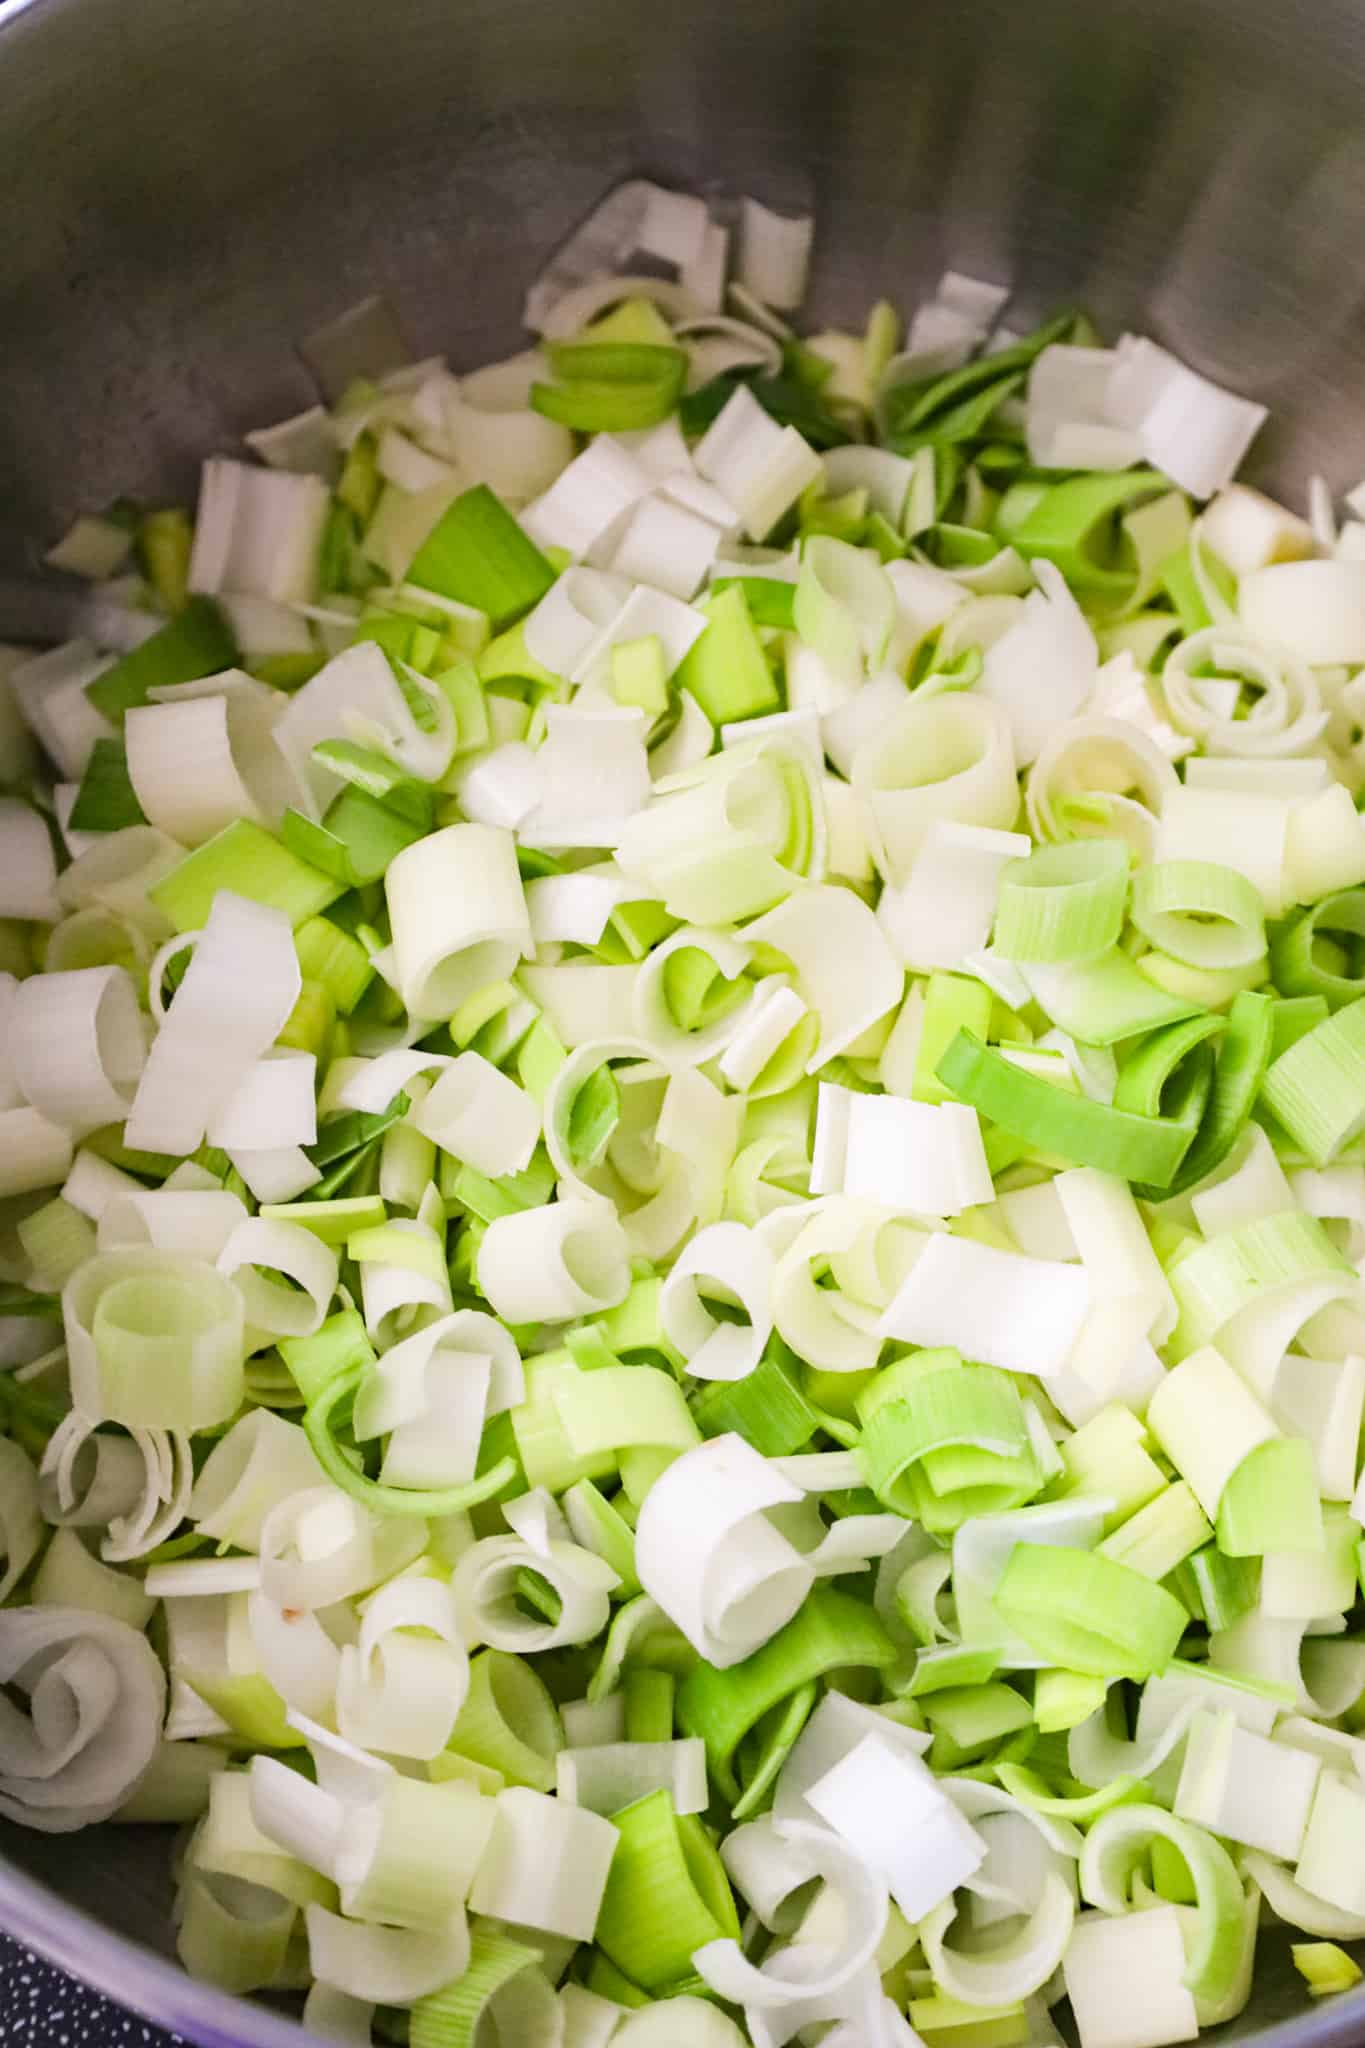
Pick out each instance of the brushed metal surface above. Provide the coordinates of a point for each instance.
(190, 184)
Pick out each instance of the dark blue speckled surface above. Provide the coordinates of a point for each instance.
(44, 2008)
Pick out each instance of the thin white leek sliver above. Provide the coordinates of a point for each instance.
(573, 909)
(1201, 824)
(760, 467)
(95, 1706)
(710, 1560)
(946, 906)
(1143, 1952)
(1286, 717)
(260, 1246)
(279, 1173)
(588, 499)
(401, 1685)
(389, 1965)
(836, 1727)
(821, 1324)
(477, 1114)
(257, 532)
(1189, 427)
(606, 1778)
(846, 1545)
(570, 615)
(160, 1508)
(1290, 1902)
(774, 254)
(1042, 669)
(1207, 1421)
(666, 547)
(27, 863)
(582, 1002)
(1325, 845)
(593, 774)
(800, 727)
(585, 1059)
(1317, 608)
(459, 916)
(551, 1264)
(1112, 1243)
(1104, 756)
(1249, 531)
(845, 970)
(919, 1157)
(431, 1400)
(371, 1084)
(201, 1577)
(766, 1024)
(723, 1262)
(769, 1860)
(1245, 1788)
(501, 787)
(1023, 1315)
(319, 1546)
(184, 767)
(86, 1481)
(275, 1104)
(236, 995)
(1068, 388)
(545, 1866)
(49, 690)
(943, 758)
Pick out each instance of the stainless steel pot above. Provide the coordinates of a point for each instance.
(187, 185)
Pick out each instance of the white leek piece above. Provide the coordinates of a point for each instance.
(706, 1553)
(921, 1157)
(486, 1585)
(592, 771)
(154, 1339)
(845, 971)
(1245, 1788)
(605, 1777)
(77, 1045)
(236, 995)
(258, 532)
(477, 1114)
(274, 1105)
(27, 862)
(389, 1965)
(320, 1546)
(888, 1807)
(1317, 608)
(356, 696)
(194, 1220)
(769, 1860)
(1285, 717)
(945, 909)
(430, 1399)
(1145, 1953)
(835, 1729)
(1023, 1315)
(459, 916)
(760, 467)
(401, 1685)
(774, 254)
(942, 758)
(1189, 427)
(96, 1695)
(546, 1865)
(588, 498)
(201, 762)
(724, 1263)
(1042, 670)
(546, 1265)
(259, 1247)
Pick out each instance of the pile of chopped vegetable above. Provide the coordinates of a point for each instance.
(683, 1152)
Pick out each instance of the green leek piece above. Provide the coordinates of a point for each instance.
(509, 1722)
(539, 1058)
(766, 1747)
(1159, 1537)
(311, 1022)
(1317, 1088)
(1075, 524)
(611, 387)
(632, 320)
(332, 957)
(196, 643)
(333, 1222)
(547, 1456)
(1063, 903)
(770, 600)
(1297, 963)
(1063, 1699)
(344, 1142)
(356, 840)
(360, 483)
(379, 778)
(639, 674)
(944, 2022)
(1100, 1002)
(831, 1631)
(331, 1352)
(1217, 1278)
(1244, 1052)
(452, 2017)
(943, 1445)
(1180, 581)
(1033, 1791)
(106, 800)
(1271, 1501)
(1292, 1018)
(950, 1666)
(488, 1199)
(766, 1407)
(1073, 1127)
(1106, 1458)
(1203, 914)
(726, 670)
(952, 1003)
(1324, 1967)
(667, 1894)
(969, 1720)
(649, 1697)
(592, 1117)
(478, 555)
(607, 1981)
(250, 861)
(164, 541)
(1218, 1590)
(1088, 1614)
